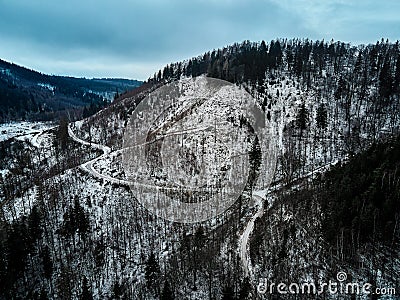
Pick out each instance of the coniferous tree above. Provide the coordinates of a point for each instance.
(47, 262)
(255, 160)
(64, 283)
(302, 118)
(167, 293)
(34, 223)
(3, 253)
(397, 75)
(152, 271)
(117, 291)
(81, 217)
(63, 133)
(86, 293)
(385, 80)
(228, 293)
(245, 289)
(322, 116)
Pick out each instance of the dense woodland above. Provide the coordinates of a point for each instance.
(29, 95)
(333, 205)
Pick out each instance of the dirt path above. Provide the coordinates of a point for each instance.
(244, 238)
(88, 166)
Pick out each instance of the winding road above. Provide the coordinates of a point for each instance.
(244, 238)
(259, 196)
(88, 166)
(34, 140)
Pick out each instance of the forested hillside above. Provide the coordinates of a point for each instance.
(27, 94)
(333, 204)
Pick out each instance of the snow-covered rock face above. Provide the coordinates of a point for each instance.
(186, 148)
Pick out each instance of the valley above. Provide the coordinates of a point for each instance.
(319, 194)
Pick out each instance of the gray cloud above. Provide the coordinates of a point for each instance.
(133, 39)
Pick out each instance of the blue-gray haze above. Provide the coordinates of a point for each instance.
(133, 39)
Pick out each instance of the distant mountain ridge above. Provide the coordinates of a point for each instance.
(28, 94)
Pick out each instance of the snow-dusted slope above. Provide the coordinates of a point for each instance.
(263, 235)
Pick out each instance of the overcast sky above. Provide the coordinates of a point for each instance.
(133, 39)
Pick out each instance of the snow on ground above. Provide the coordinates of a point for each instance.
(23, 130)
(20, 206)
(283, 112)
(244, 238)
(107, 202)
